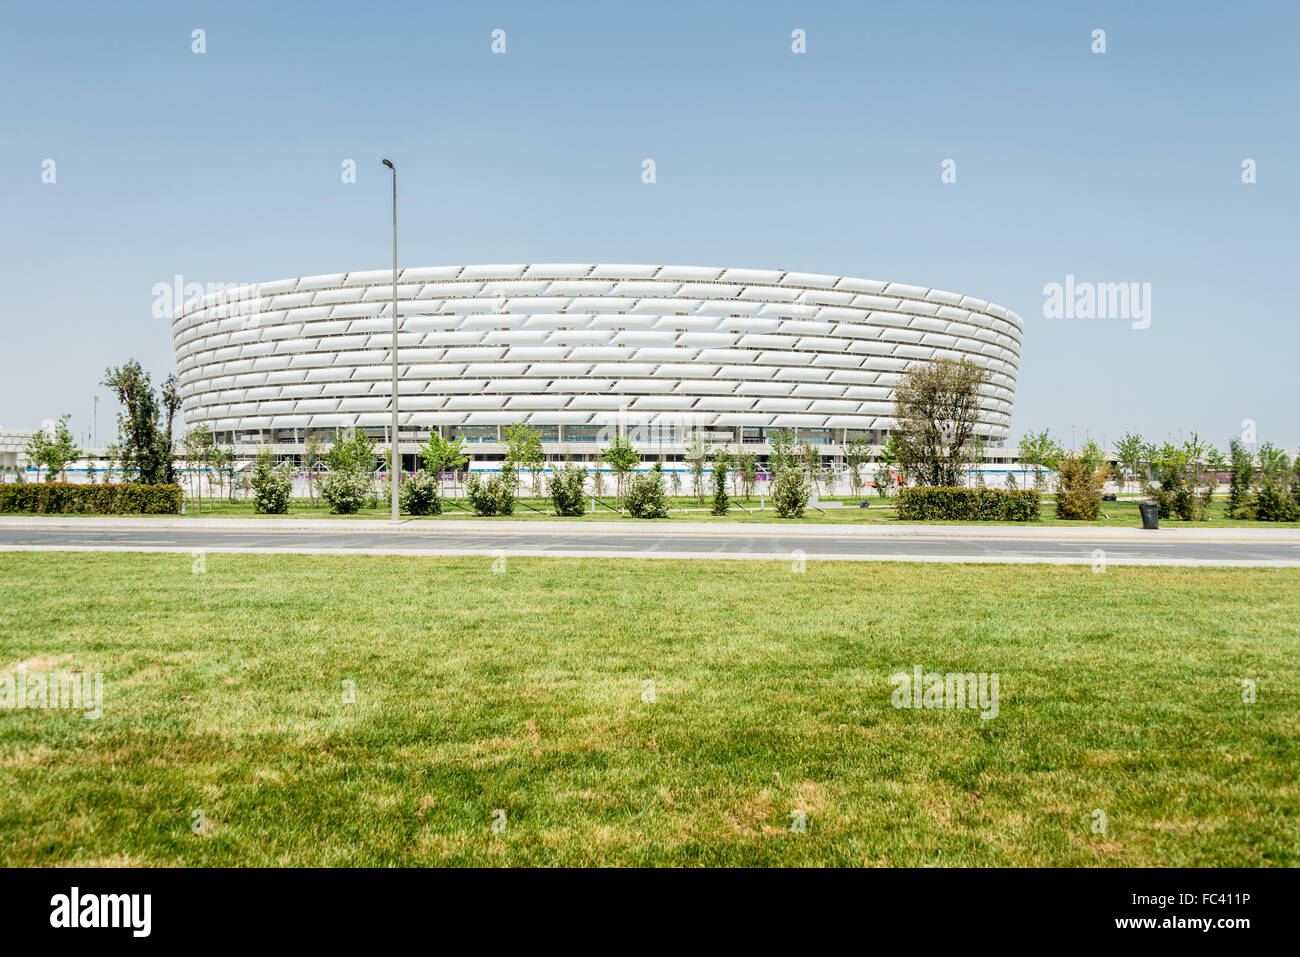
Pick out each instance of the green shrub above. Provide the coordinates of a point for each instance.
(645, 496)
(924, 503)
(565, 485)
(271, 485)
(790, 492)
(418, 494)
(1171, 493)
(1274, 503)
(66, 498)
(495, 496)
(1078, 489)
(346, 491)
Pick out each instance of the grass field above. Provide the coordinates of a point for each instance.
(880, 511)
(525, 690)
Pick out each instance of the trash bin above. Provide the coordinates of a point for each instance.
(1150, 514)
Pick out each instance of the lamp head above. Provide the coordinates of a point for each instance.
(390, 166)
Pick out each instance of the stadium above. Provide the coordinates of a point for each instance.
(580, 352)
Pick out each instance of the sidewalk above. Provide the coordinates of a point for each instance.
(1173, 533)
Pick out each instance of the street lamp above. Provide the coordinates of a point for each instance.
(395, 459)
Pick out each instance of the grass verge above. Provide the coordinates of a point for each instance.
(526, 691)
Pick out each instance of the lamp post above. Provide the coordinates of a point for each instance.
(395, 458)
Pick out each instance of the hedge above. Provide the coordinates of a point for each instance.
(67, 498)
(927, 504)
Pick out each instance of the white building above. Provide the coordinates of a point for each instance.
(580, 352)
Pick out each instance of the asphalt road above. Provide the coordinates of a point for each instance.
(652, 542)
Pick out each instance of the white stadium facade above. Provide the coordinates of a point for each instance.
(581, 352)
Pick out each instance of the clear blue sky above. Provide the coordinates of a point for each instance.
(1122, 167)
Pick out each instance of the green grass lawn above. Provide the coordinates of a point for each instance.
(880, 511)
(523, 691)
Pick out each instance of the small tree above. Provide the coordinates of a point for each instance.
(747, 469)
(351, 451)
(884, 475)
(857, 452)
(1041, 451)
(1275, 501)
(54, 450)
(645, 494)
(1131, 451)
(1241, 473)
(783, 454)
(790, 492)
(196, 447)
(37, 451)
(493, 496)
(311, 454)
(936, 409)
(721, 459)
(565, 485)
(1078, 491)
(1092, 455)
(696, 456)
(524, 451)
(145, 424)
(271, 485)
(418, 494)
(622, 458)
(1169, 490)
(441, 455)
(810, 458)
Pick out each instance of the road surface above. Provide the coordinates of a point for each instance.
(916, 543)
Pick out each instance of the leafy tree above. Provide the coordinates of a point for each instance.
(1241, 472)
(222, 462)
(622, 458)
(1091, 455)
(857, 452)
(441, 455)
(810, 458)
(1078, 491)
(418, 494)
(145, 424)
(1041, 451)
(53, 450)
(721, 459)
(783, 455)
(747, 470)
(696, 456)
(565, 485)
(524, 451)
(493, 496)
(884, 476)
(790, 492)
(311, 449)
(1170, 491)
(1275, 501)
(645, 494)
(271, 485)
(936, 409)
(196, 447)
(1131, 452)
(351, 451)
